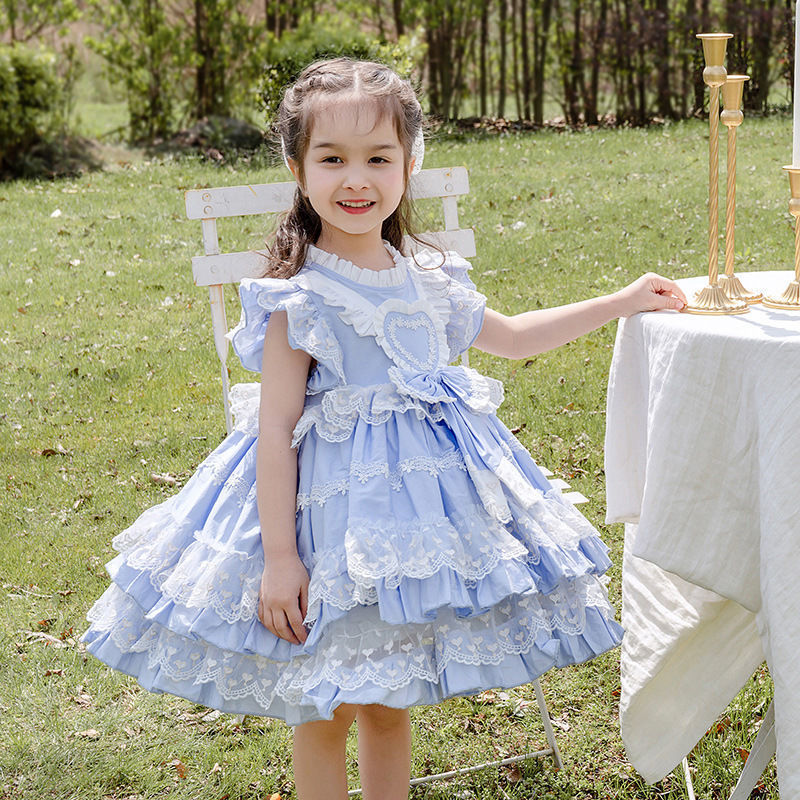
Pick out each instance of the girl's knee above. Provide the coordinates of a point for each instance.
(384, 717)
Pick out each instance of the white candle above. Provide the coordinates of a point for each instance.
(796, 103)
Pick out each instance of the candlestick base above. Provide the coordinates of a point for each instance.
(788, 301)
(713, 300)
(734, 290)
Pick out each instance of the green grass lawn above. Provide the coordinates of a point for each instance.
(109, 376)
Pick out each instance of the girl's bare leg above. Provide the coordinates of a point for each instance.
(384, 752)
(319, 756)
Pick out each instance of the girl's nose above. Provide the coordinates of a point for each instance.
(356, 177)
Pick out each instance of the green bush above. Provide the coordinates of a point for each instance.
(298, 48)
(29, 101)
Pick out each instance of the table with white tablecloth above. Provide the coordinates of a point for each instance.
(703, 463)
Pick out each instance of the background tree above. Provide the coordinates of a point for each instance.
(25, 20)
(146, 54)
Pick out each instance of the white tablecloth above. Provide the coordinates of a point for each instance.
(703, 462)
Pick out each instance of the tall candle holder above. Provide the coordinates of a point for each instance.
(712, 299)
(790, 299)
(732, 118)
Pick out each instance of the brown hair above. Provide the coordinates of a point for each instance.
(392, 96)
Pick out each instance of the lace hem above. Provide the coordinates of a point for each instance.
(360, 649)
(362, 472)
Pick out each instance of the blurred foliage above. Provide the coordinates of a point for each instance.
(146, 55)
(332, 37)
(24, 20)
(580, 62)
(29, 101)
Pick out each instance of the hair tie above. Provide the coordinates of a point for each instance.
(417, 152)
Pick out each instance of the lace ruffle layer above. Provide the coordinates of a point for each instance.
(466, 305)
(363, 660)
(308, 330)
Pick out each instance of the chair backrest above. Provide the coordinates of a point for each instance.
(214, 269)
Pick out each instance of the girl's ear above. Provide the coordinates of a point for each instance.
(411, 166)
(293, 169)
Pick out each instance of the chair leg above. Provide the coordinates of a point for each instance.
(688, 776)
(762, 751)
(551, 751)
(548, 725)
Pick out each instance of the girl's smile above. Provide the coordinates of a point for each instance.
(356, 206)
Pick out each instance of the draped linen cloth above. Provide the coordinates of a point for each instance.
(703, 463)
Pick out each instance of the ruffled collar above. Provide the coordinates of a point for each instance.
(394, 276)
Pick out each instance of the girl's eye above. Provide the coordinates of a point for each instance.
(331, 160)
(378, 160)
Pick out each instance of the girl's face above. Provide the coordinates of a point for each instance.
(355, 175)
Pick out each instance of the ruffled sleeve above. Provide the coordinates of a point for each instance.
(308, 329)
(466, 304)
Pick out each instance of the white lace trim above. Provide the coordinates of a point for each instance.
(391, 553)
(451, 280)
(357, 650)
(393, 316)
(335, 417)
(363, 471)
(245, 400)
(307, 327)
(363, 650)
(369, 277)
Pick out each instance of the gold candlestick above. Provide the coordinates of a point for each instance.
(732, 118)
(711, 299)
(790, 299)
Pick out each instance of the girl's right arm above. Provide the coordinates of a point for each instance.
(283, 597)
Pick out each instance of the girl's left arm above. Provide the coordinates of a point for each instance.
(537, 331)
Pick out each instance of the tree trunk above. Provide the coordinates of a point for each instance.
(445, 63)
(764, 16)
(397, 9)
(662, 42)
(569, 60)
(591, 103)
(526, 66)
(540, 40)
(482, 74)
(202, 48)
(433, 70)
(515, 58)
(699, 62)
(576, 62)
(377, 5)
(501, 88)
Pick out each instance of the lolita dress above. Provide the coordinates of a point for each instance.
(441, 560)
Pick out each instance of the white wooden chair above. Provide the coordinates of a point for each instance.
(215, 269)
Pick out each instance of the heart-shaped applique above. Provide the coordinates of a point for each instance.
(412, 340)
(412, 335)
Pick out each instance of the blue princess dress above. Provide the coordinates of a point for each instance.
(441, 560)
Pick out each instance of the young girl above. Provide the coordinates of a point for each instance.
(377, 539)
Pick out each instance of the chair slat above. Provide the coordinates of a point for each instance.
(447, 182)
(271, 198)
(232, 267)
(237, 201)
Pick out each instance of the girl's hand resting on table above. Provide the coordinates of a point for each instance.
(283, 598)
(651, 292)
